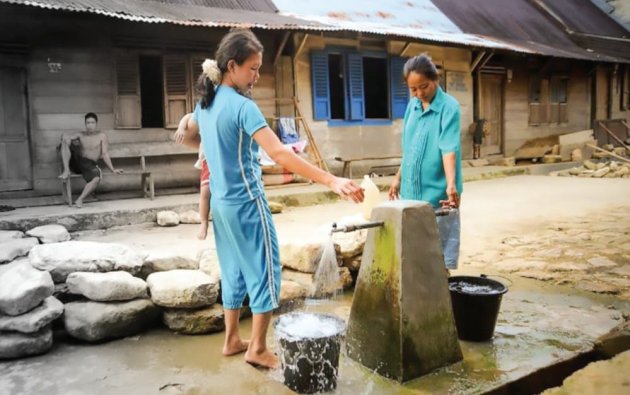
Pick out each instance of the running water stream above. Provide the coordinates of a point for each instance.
(326, 280)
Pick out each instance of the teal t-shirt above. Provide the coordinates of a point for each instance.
(427, 135)
(227, 128)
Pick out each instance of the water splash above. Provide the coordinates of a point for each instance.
(309, 347)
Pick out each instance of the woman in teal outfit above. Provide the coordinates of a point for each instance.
(231, 128)
(431, 162)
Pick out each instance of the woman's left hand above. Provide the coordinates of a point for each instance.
(453, 198)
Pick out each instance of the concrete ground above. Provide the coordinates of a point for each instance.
(503, 220)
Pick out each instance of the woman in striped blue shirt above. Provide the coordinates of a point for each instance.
(431, 163)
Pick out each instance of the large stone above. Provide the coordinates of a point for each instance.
(401, 322)
(590, 165)
(107, 287)
(209, 263)
(304, 279)
(167, 218)
(303, 257)
(34, 320)
(161, 261)
(23, 287)
(96, 321)
(183, 289)
(6, 235)
(601, 172)
(291, 290)
(351, 243)
(50, 233)
(198, 321)
(195, 322)
(18, 345)
(189, 217)
(61, 259)
(15, 248)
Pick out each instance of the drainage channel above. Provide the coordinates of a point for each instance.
(554, 375)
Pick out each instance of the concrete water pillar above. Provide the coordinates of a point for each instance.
(401, 323)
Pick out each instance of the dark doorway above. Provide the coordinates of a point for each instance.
(151, 92)
(337, 95)
(375, 87)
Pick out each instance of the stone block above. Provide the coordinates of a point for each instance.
(50, 233)
(97, 321)
(18, 345)
(23, 287)
(61, 259)
(401, 297)
(107, 287)
(182, 289)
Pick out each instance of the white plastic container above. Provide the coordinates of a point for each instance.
(372, 197)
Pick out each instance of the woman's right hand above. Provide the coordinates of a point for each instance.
(347, 189)
(394, 189)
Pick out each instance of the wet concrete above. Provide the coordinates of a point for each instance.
(539, 325)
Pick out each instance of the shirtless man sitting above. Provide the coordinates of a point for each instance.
(80, 153)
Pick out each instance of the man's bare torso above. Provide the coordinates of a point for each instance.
(91, 144)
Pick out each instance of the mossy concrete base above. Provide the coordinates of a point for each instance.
(401, 322)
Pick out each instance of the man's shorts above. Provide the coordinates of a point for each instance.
(204, 177)
(80, 165)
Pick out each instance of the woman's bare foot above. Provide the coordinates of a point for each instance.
(235, 347)
(203, 231)
(78, 203)
(263, 359)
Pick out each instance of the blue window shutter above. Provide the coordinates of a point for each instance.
(399, 91)
(321, 85)
(355, 86)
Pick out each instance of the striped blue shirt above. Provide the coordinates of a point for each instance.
(427, 135)
(227, 128)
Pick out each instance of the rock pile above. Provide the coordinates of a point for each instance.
(27, 309)
(602, 169)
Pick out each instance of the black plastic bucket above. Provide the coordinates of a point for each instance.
(310, 363)
(476, 302)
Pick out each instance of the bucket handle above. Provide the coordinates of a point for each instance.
(499, 276)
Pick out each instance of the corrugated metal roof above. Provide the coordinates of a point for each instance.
(583, 16)
(251, 5)
(518, 22)
(590, 27)
(177, 13)
(417, 19)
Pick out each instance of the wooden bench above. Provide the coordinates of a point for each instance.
(347, 170)
(140, 151)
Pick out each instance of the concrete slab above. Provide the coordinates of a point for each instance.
(538, 326)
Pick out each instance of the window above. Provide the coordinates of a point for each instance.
(354, 87)
(154, 90)
(151, 89)
(548, 100)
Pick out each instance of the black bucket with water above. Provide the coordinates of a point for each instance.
(310, 345)
(476, 303)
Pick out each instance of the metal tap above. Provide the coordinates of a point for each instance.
(352, 228)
